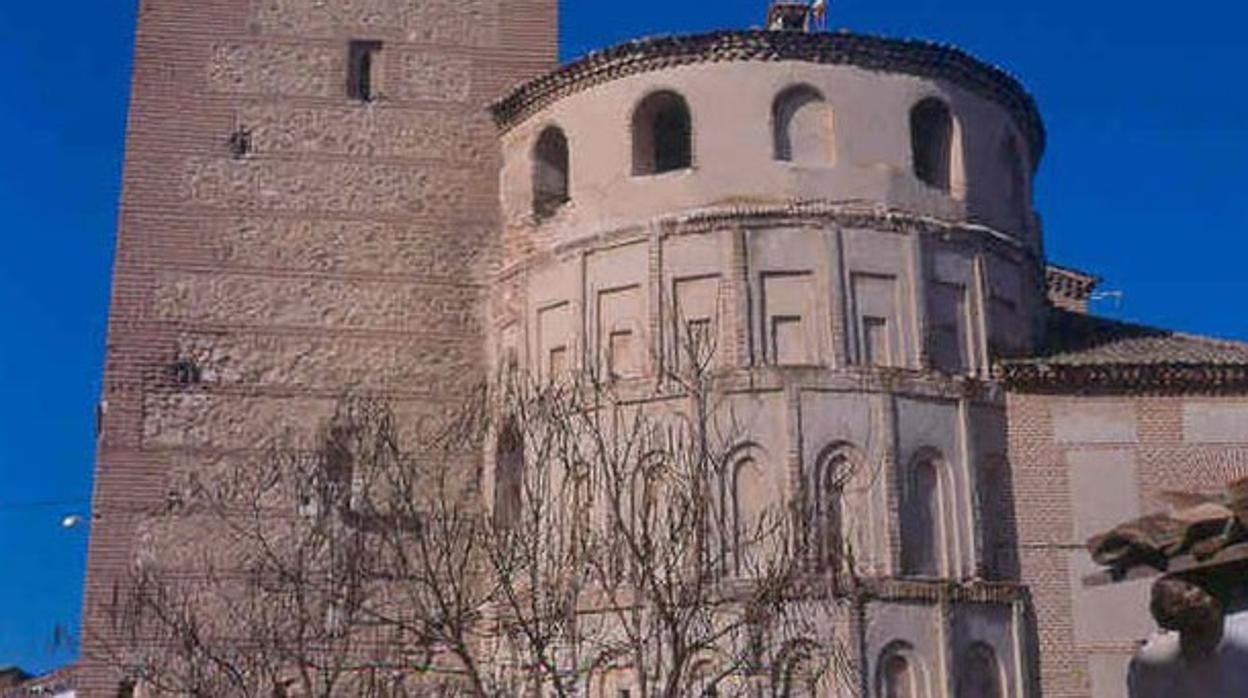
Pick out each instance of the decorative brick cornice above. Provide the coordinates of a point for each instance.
(1085, 354)
(911, 57)
(1133, 379)
(804, 212)
(934, 591)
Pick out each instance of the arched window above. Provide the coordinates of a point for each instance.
(508, 475)
(931, 143)
(802, 127)
(900, 674)
(980, 674)
(835, 467)
(922, 516)
(662, 134)
(550, 171)
(748, 499)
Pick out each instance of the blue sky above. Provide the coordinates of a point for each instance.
(1142, 183)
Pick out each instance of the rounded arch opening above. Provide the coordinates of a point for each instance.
(550, 172)
(900, 673)
(748, 502)
(931, 143)
(834, 470)
(980, 674)
(662, 134)
(802, 127)
(924, 498)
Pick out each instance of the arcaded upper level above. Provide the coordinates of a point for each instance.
(660, 126)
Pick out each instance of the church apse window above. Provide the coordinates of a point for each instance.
(662, 134)
(931, 142)
(550, 172)
(802, 128)
(749, 505)
(363, 66)
(833, 471)
(980, 674)
(922, 512)
(900, 674)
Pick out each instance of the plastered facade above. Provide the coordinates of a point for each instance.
(838, 326)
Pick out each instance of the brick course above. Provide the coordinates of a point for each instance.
(345, 251)
(1165, 459)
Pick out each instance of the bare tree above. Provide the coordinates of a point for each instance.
(617, 551)
(256, 580)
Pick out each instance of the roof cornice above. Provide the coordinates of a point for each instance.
(911, 57)
(1176, 378)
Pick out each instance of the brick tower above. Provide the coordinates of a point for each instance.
(309, 197)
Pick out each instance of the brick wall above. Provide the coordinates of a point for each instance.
(1081, 465)
(345, 251)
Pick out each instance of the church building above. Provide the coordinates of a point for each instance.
(405, 197)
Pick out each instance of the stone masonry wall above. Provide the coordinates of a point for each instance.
(346, 251)
(1081, 465)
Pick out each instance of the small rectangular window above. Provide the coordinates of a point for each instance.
(362, 67)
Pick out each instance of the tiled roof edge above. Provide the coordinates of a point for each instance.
(909, 56)
(1037, 376)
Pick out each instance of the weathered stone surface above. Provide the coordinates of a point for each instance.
(471, 22)
(433, 76)
(339, 187)
(310, 302)
(277, 69)
(369, 132)
(438, 366)
(202, 420)
(349, 247)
